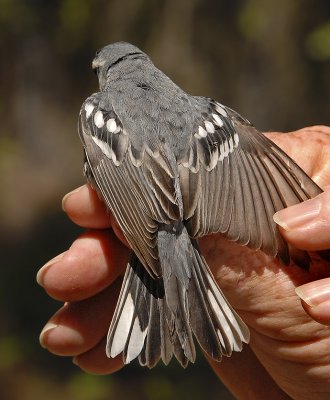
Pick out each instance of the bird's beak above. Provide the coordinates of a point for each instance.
(97, 63)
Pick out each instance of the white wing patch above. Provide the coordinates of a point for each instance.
(220, 109)
(106, 149)
(89, 109)
(217, 120)
(105, 130)
(112, 126)
(98, 119)
(201, 133)
(236, 139)
(209, 127)
(216, 139)
(222, 152)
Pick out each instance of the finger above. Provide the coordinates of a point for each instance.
(79, 326)
(95, 361)
(92, 263)
(86, 209)
(315, 298)
(307, 225)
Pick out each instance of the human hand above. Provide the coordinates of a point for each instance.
(307, 226)
(289, 353)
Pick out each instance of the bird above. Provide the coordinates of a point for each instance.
(171, 168)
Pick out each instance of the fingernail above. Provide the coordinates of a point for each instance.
(48, 327)
(314, 293)
(42, 270)
(65, 198)
(299, 215)
(75, 361)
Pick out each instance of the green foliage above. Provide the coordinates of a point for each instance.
(318, 42)
(159, 388)
(11, 352)
(74, 17)
(16, 17)
(89, 387)
(251, 20)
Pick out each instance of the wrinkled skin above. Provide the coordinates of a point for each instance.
(289, 353)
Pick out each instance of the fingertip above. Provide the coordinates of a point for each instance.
(66, 201)
(306, 225)
(40, 277)
(85, 208)
(314, 293)
(298, 216)
(95, 361)
(315, 299)
(61, 336)
(278, 220)
(44, 334)
(61, 340)
(320, 313)
(93, 262)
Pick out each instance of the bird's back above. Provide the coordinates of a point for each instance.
(152, 108)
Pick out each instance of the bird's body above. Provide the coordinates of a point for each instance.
(171, 168)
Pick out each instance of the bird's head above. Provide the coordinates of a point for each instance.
(111, 55)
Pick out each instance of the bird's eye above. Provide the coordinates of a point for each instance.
(96, 71)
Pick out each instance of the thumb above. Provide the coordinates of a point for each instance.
(315, 298)
(307, 225)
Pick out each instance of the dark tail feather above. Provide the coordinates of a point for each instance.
(151, 351)
(139, 327)
(158, 344)
(217, 327)
(155, 319)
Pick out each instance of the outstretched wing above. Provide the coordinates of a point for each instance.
(234, 179)
(136, 184)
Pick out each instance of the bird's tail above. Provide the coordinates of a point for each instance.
(155, 319)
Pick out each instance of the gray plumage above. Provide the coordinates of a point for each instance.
(171, 168)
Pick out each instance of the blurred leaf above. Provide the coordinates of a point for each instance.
(15, 16)
(11, 352)
(251, 20)
(74, 17)
(9, 146)
(89, 387)
(318, 43)
(159, 388)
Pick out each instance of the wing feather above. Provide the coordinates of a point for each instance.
(239, 193)
(128, 179)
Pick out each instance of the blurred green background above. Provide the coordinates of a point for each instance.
(270, 60)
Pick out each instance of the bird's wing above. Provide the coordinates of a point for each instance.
(233, 179)
(137, 185)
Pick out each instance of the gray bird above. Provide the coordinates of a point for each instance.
(172, 168)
